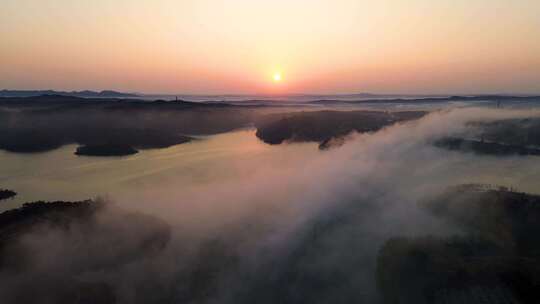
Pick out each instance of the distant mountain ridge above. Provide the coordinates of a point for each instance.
(85, 93)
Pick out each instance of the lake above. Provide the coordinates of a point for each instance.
(62, 175)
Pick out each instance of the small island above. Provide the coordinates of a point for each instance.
(130, 143)
(324, 126)
(106, 150)
(5, 194)
(484, 148)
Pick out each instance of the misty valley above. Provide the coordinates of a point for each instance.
(115, 200)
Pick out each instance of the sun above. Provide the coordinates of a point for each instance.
(277, 77)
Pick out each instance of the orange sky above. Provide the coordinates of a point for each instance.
(236, 46)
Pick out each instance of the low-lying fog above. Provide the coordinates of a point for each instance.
(263, 204)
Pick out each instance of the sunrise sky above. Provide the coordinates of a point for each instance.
(240, 46)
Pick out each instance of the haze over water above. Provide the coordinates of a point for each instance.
(215, 159)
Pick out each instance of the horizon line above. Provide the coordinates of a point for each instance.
(142, 94)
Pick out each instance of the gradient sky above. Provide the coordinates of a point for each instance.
(235, 46)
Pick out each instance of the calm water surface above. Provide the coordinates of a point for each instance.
(61, 175)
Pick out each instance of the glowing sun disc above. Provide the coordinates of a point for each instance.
(277, 77)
